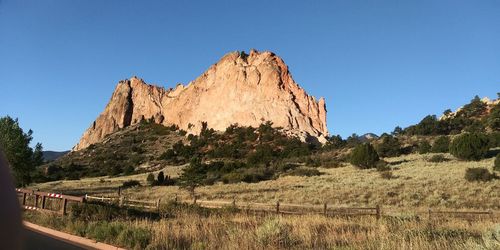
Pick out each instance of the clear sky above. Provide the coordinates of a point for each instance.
(379, 64)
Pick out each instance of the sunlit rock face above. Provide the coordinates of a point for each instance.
(243, 89)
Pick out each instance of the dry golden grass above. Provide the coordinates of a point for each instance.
(417, 183)
(240, 231)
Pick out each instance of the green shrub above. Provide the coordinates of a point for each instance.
(424, 147)
(151, 179)
(441, 145)
(387, 175)
(437, 158)
(479, 174)
(364, 156)
(382, 166)
(496, 167)
(470, 146)
(389, 147)
(130, 183)
(275, 233)
(161, 177)
(304, 172)
(135, 237)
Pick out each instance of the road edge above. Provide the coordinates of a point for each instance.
(77, 240)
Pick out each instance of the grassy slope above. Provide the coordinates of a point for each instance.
(418, 183)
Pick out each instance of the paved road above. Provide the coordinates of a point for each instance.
(35, 240)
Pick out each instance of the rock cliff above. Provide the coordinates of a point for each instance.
(240, 88)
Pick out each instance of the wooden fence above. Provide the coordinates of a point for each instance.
(46, 202)
(37, 200)
(123, 201)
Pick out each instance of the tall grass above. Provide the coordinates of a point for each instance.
(229, 230)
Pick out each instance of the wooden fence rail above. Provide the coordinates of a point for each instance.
(41, 198)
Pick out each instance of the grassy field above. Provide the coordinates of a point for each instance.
(416, 183)
(194, 229)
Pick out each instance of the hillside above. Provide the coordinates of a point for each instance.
(133, 149)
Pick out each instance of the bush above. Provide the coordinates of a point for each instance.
(437, 158)
(479, 174)
(275, 233)
(304, 172)
(161, 177)
(130, 183)
(364, 156)
(389, 147)
(387, 175)
(441, 145)
(424, 147)
(470, 146)
(150, 179)
(496, 167)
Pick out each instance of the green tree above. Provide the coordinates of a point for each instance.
(397, 131)
(193, 176)
(161, 178)
(470, 146)
(15, 143)
(441, 145)
(38, 155)
(364, 156)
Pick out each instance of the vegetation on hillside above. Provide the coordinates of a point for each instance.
(473, 117)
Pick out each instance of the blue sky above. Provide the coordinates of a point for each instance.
(379, 64)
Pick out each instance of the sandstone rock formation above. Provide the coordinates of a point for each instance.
(240, 88)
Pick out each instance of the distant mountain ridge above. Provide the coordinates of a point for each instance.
(53, 155)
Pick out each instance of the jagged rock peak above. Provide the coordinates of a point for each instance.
(247, 89)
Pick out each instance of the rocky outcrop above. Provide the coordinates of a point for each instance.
(240, 88)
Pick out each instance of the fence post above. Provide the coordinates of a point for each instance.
(36, 200)
(63, 208)
(24, 199)
(119, 191)
(325, 209)
(378, 212)
(43, 202)
(429, 211)
(158, 204)
(278, 207)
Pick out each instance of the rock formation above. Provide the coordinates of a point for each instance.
(240, 88)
